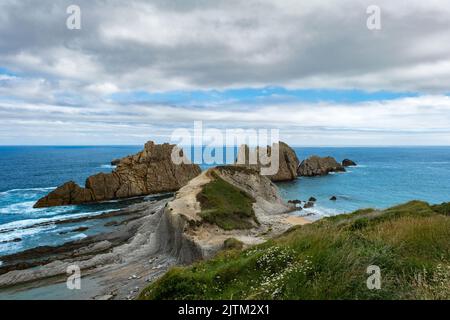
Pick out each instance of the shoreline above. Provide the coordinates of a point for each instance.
(114, 265)
(119, 255)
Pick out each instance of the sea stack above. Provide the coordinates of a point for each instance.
(317, 166)
(288, 162)
(148, 172)
(348, 163)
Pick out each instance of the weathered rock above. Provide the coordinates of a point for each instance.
(147, 172)
(312, 199)
(68, 193)
(333, 198)
(288, 162)
(348, 163)
(115, 162)
(317, 166)
(80, 229)
(194, 238)
(309, 204)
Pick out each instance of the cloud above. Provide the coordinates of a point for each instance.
(201, 45)
(62, 81)
(411, 120)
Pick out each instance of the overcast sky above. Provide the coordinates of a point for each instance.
(139, 69)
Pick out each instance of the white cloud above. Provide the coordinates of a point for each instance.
(62, 78)
(420, 120)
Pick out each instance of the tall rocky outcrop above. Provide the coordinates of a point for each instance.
(147, 172)
(184, 232)
(288, 161)
(317, 166)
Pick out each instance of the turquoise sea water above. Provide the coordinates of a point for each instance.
(384, 177)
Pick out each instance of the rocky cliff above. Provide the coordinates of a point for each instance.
(193, 236)
(160, 234)
(317, 166)
(288, 162)
(147, 172)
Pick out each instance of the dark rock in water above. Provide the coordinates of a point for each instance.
(312, 199)
(147, 172)
(317, 166)
(309, 214)
(288, 162)
(115, 162)
(348, 163)
(309, 204)
(80, 229)
(333, 198)
(112, 224)
(11, 241)
(295, 201)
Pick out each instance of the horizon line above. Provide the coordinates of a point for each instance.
(291, 145)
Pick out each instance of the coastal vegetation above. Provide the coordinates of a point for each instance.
(327, 259)
(226, 205)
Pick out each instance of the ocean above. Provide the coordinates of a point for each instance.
(385, 176)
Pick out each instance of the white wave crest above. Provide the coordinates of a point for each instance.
(29, 223)
(7, 192)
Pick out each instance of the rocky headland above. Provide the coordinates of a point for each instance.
(223, 207)
(148, 172)
(223, 203)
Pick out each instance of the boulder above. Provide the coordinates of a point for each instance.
(312, 199)
(147, 172)
(348, 163)
(288, 162)
(67, 194)
(317, 166)
(309, 204)
(333, 198)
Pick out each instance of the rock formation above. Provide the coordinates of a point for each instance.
(147, 172)
(288, 162)
(348, 163)
(317, 166)
(194, 238)
(115, 162)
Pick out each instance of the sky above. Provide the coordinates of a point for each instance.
(138, 70)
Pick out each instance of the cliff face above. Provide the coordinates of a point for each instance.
(147, 172)
(317, 166)
(190, 237)
(288, 162)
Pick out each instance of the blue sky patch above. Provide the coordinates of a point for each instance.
(258, 95)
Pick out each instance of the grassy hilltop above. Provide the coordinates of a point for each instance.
(328, 260)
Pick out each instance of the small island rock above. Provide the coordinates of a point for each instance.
(348, 163)
(317, 166)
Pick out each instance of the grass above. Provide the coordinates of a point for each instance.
(226, 206)
(328, 260)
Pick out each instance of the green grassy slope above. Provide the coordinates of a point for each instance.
(226, 206)
(328, 260)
